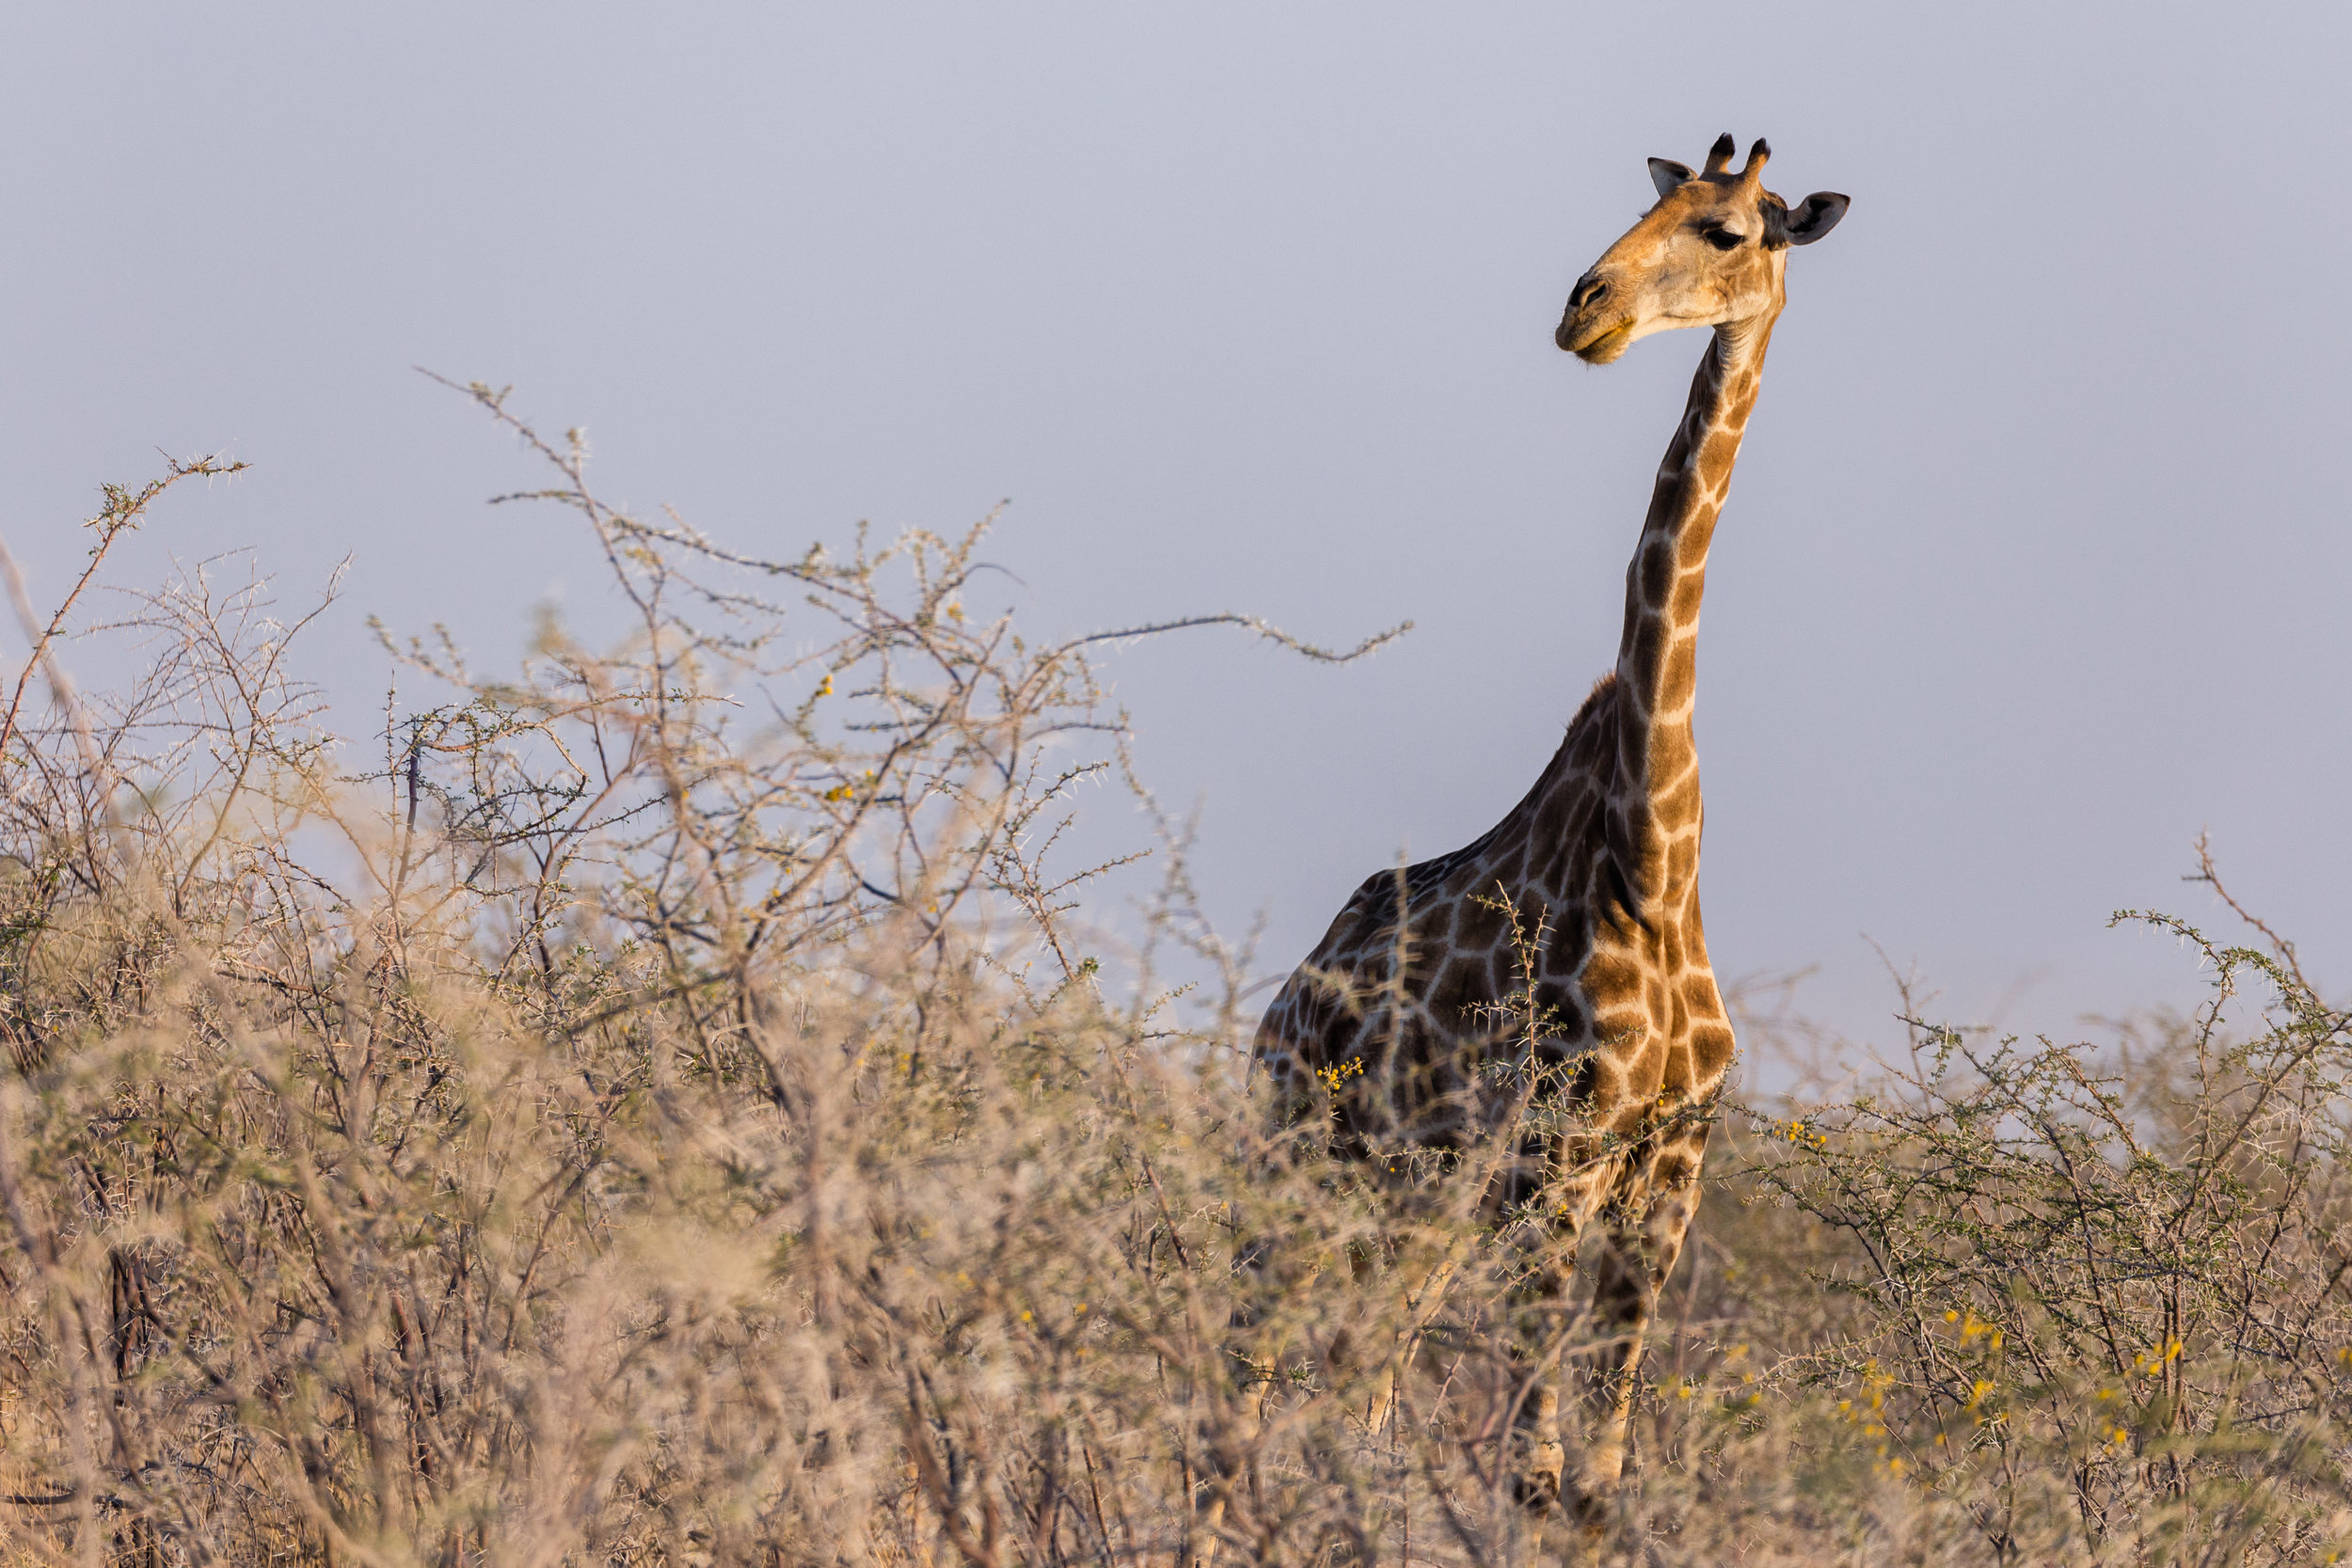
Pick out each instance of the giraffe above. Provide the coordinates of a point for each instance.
(1580, 906)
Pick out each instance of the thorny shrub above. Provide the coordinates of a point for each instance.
(670, 1109)
(2096, 1300)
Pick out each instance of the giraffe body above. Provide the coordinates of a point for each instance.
(1561, 951)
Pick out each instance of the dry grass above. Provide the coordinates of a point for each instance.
(664, 1111)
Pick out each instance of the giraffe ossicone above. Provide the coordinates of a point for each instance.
(1563, 946)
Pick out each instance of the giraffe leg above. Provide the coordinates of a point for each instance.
(1645, 1223)
(1421, 1307)
(1538, 1462)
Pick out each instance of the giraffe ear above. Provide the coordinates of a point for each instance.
(1813, 217)
(1666, 174)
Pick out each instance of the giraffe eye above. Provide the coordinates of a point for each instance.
(1723, 239)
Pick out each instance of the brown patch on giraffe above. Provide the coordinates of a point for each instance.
(1711, 1050)
(1672, 755)
(1677, 1083)
(1654, 1003)
(1658, 572)
(1571, 939)
(1608, 1080)
(1642, 648)
(1559, 1018)
(1481, 921)
(1583, 1085)
(1460, 987)
(1611, 973)
(1717, 453)
(1681, 674)
(1647, 1074)
(1633, 757)
(1691, 554)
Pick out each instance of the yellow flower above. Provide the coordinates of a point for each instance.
(1334, 1076)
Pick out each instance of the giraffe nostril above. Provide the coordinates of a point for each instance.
(1588, 290)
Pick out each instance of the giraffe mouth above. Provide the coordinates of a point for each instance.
(1601, 347)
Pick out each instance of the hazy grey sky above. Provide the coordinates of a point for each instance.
(2036, 563)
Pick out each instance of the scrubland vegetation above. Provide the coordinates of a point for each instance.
(669, 1104)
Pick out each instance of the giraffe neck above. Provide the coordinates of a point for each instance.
(1658, 657)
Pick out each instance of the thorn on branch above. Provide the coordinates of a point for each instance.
(2208, 874)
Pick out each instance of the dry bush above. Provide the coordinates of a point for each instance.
(669, 1108)
(2094, 1297)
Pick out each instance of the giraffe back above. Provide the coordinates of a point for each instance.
(1533, 957)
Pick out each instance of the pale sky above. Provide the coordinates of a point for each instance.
(2036, 563)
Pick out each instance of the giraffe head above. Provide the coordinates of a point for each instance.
(1711, 251)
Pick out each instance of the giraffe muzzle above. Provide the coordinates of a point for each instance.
(1584, 327)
